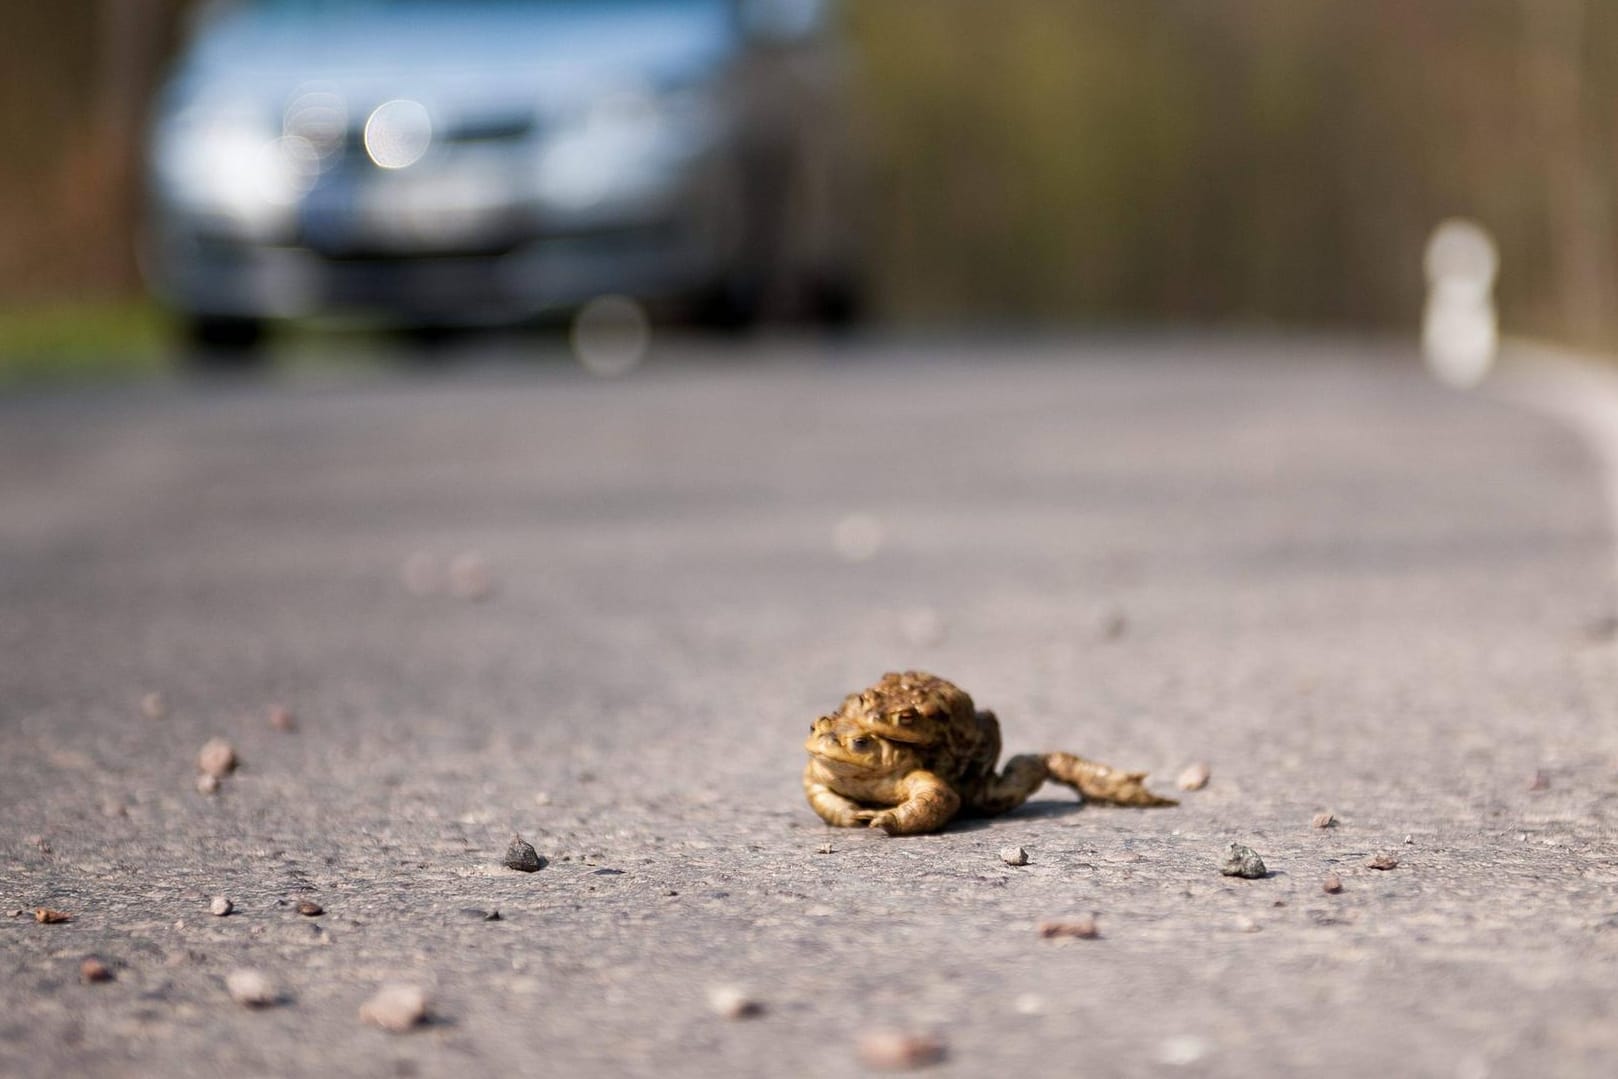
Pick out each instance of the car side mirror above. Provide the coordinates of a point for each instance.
(784, 22)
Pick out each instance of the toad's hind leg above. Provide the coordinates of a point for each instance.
(1022, 776)
(1100, 782)
(927, 805)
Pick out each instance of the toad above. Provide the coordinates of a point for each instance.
(912, 753)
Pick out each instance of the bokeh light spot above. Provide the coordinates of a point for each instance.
(611, 335)
(1460, 331)
(398, 133)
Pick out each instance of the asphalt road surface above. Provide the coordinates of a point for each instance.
(1344, 588)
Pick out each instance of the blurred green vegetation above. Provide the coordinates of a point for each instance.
(1240, 160)
(83, 339)
(1052, 161)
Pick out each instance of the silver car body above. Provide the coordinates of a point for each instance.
(439, 162)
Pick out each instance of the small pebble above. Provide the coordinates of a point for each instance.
(250, 989)
(858, 537)
(310, 909)
(1029, 1004)
(1383, 860)
(217, 759)
(826, 848)
(1323, 820)
(898, 1050)
(207, 784)
(1410, 840)
(94, 970)
(1182, 1050)
(1112, 624)
(395, 1008)
(1194, 778)
(1082, 928)
(1332, 884)
(469, 577)
(220, 906)
(152, 706)
(1242, 861)
(47, 916)
(522, 856)
(1539, 781)
(282, 719)
(1014, 856)
(731, 1002)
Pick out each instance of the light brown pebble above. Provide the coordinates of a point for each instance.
(1539, 781)
(1083, 928)
(1332, 884)
(395, 1008)
(310, 909)
(282, 719)
(1323, 820)
(732, 1002)
(1194, 778)
(219, 906)
(47, 916)
(1383, 860)
(1014, 856)
(469, 577)
(207, 784)
(152, 706)
(94, 970)
(898, 1050)
(217, 758)
(250, 989)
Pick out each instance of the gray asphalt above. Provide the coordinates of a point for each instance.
(1344, 588)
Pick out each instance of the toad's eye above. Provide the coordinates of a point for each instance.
(859, 745)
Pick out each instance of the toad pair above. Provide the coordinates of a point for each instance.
(911, 753)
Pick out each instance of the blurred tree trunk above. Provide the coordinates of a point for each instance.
(1577, 212)
(99, 186)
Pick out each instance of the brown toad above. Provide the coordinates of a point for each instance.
(911, 753)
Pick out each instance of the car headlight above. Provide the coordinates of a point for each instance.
(223, 163)
(626, 145)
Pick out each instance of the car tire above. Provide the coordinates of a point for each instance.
(837, 299)
(733, 304)
(220, 343)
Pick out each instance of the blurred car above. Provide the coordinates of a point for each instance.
(440, 163)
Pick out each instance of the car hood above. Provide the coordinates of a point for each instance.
(464, 57)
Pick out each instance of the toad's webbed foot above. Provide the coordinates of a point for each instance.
(929, 804)
(1102, 783)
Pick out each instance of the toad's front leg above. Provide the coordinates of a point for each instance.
(927, 805)
(834, 809)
